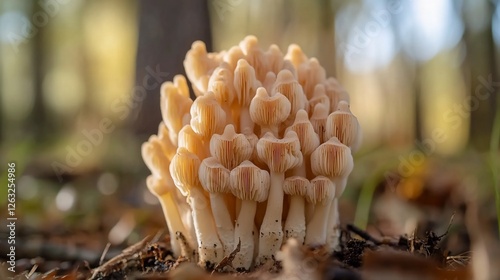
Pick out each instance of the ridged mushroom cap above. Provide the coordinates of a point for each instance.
(287, 85)
(295, 55)
(335, 93)
(175, 107)
(207, 116)
(232, 56)
(181, 84)
(268, 110)
(319, 97)
(245, 83)
(192, 141)
(318, 121)
(332, 159)
(214, 177)
(159, 186)
(308, 138)
(154, 157)
(296, 185)
(321, 190)
(230, 148)
(280, 154)
(184, 170)
(343, 125)
(310, 74)
(169, 148)
(221, 84)
(274, 57)
(248, 182)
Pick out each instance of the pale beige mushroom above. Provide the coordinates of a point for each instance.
(295, 225)
(321, 193)
(214, 178)
(343, 125)
(333, 160)
(280, 155)
(269, 111)
(231, 148)
(250, 184)
(175, 108)
(184, 170)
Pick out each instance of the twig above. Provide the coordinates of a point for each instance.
(227, 260)
(363, 234)
(101, 260)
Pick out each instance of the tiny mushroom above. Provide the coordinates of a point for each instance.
(184, 170)
(295, 225)
(321, 193)
(269, 111)
(250, 184)
(215, 179)
(279, 155)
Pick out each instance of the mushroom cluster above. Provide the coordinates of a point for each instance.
(261, 155)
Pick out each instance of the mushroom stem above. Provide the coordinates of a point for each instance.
(244, 233)
(223, 221)
(173, 220)
(271, 232)
(316, 228)
(333, 230)
(295, 225)
(209, 248)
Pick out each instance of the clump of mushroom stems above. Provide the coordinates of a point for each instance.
(249, 160)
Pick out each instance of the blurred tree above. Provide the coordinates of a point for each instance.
(166, 31)
(479, 68)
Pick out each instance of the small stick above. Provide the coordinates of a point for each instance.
(365, 235)
(227, 260)
(101, 260)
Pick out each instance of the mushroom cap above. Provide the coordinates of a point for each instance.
(221, 84)
(319, 96)
(214, 177)
(280, 154)
(295, 55)
(321, 190)
(230, 148)
(296, 185)
(268, 110)
(335, 93)
(159, 186)
(308, 138)
(192, 141)
(318, 121)
(287, 85)
(184, 170)
(174, 107)
(274, 56)
(310, 74)
(343, 125)
(207, 116)
(169, 148)
(248, 182)
(332, 159)
(245, 83)
(269, 81)
(181, 84)
(154, 157)
(232, 56)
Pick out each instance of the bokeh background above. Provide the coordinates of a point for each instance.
(423, 78)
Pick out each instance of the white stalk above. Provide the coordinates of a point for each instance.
(271, 232)
(316, 228)
(333, 230)
(223, 221)
(209, 246)
(174, 222)
(244, 233)
(295, 225)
